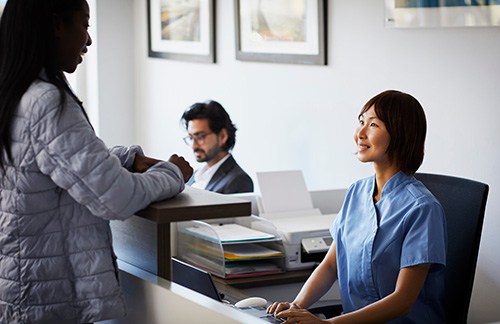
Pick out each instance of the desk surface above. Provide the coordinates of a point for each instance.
(233, 289)
(193, 204)
(236, 289)
(152, 300)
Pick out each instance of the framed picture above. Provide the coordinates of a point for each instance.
(442, 13)
(281, 31)
(182, 30)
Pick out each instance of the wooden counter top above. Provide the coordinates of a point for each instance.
(194, 204)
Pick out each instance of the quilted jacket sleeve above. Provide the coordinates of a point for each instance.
(67, 149)
(126, 154)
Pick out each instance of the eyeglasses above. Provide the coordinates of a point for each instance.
(198, 138)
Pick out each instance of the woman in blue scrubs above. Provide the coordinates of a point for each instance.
(389, 249)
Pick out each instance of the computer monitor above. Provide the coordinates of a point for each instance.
(201, 281)
(194, 278)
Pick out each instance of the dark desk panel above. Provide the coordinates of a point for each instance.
(267, 280)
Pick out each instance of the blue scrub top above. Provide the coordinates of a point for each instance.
(406, 227)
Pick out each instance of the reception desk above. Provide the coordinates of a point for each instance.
(144, 240)
(153, 300)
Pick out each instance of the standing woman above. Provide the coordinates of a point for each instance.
(389, 249)
(59, 184)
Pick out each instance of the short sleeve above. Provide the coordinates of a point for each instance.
(425, 237)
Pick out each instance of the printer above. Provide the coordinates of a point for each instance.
(286, 205)
(305, 236)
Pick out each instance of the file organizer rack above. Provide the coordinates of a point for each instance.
(199, 243)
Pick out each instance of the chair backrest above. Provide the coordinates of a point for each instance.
(464, 203)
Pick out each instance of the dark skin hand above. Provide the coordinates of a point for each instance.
(142, 163)
(186, 169)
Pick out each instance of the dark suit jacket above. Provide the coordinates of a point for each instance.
(229, 178)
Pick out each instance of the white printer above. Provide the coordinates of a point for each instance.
(305, 236)
(285, 202)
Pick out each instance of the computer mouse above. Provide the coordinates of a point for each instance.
(251, 302)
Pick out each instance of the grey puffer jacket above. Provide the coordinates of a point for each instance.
(57, 196)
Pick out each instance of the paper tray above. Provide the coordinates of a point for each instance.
(228, 248)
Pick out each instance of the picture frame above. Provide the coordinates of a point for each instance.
(182, 30)
(441, 13)
(281, 31)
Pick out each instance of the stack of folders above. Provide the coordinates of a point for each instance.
(233, 250)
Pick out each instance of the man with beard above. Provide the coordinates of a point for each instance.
(212, 135)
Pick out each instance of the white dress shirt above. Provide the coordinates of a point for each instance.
(204, 174)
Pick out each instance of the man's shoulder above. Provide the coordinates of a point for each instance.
(231, 178)
(231, 166)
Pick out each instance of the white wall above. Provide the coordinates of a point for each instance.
(303, 117)
(108, 71)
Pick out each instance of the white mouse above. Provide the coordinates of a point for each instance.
(251, 302)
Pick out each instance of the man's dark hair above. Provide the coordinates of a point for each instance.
(217, 118)
(405, 121)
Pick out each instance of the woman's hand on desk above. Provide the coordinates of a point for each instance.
(142, 163)
(186, 169)
(302, 316)
(293, 313)
(277, 307)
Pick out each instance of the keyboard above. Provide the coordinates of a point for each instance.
(260, 312)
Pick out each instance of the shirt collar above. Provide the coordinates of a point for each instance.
(206, 173)
(395, 181)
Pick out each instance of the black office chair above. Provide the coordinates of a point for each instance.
(464, 203)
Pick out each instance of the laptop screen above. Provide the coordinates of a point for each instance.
(194, 278)
(201, 281)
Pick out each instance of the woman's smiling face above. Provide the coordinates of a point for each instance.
(73, 38)
(372, 138)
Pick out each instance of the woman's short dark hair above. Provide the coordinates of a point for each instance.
(404, 119)
(217, 118)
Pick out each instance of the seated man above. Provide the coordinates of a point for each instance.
(212, 135)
